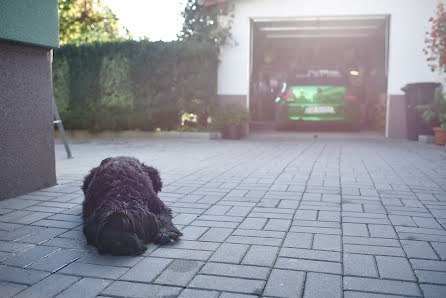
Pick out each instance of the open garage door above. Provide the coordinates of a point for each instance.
(355, 46)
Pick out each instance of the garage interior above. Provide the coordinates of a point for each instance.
(355, 45)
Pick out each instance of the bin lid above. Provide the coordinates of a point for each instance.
(421, 85)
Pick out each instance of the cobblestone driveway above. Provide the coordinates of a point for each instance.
(284, 215)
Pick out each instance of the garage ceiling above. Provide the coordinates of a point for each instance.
(319, 27)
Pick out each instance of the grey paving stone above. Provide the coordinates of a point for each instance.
(381, 286)
(278, 225)
(66, 217)
(109, 260)
(189, 254)
(374, 250)
(425, 222)
(259, 234)
(310, 254)
(308, 265)
(50, 286)
(401, 220)
(418, 249)
(59, 259)
(19, 233)
(14, 247)
(131, 289)
(371, 241)
(235, 295)
(33, 217)
(221, 218)
(216, 234)
(433, 291)
(193, 233)
(221, 283)
(90, 270)
(332, 285)
(291, 204)
(260, 255)
(22, 276)
(306, 214)
(253, 223)
(9, 289)
(80, 244)
(269, 215)
(179, 273)
(239, 211)
(359, 265)
(329, 216)
(30, 256)
(284, 283)
(394, 268)
(229, 253)
(327, 242)
(85, 288)
(315, 230)
(428, 264)
(233, 270)
(191, 293)
(431, 277)
(440, 249)
(255, 240)
(352, 229)
(298, 240)
(355, 294)
(215, 224)
(382, 231)
(198, 245)
(184, 219)
(42, 235)
(146, 270)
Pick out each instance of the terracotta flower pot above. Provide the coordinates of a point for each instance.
(440, 136)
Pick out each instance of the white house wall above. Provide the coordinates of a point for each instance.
(408, 24)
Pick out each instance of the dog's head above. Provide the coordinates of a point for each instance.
(115, 230)
(154, 175)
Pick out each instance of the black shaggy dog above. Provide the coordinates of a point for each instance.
(121, 210)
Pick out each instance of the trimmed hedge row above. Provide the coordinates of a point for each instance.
(134, 84)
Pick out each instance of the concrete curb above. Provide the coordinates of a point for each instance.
(133, 134)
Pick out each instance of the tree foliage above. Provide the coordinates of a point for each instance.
(84, 21)
(206, 23)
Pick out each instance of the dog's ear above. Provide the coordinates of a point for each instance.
(87, 180)
(155, 177)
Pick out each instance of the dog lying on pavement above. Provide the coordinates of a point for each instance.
(121, 209)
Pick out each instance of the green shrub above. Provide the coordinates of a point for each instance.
(134, 85)
(61, 84)
(230, 114)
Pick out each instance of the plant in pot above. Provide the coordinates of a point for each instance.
(229, 119)
(434, 114)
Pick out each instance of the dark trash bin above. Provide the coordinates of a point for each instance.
(418, 94)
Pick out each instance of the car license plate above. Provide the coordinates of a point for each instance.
(319, 110)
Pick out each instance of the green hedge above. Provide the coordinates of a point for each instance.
(134, 85)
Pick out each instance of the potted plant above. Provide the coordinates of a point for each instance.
(435, 115)
(229, 119)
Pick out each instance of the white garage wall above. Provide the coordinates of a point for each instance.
(408, 24)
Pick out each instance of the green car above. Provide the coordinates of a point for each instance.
(317, 96)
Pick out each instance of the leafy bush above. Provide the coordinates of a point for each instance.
(134, 85)
(230, 114)
(435, 113)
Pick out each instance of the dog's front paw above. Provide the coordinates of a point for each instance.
(167, 236)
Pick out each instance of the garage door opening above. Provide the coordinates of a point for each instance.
(356, 47)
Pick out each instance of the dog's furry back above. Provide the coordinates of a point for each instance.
(122, 211)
